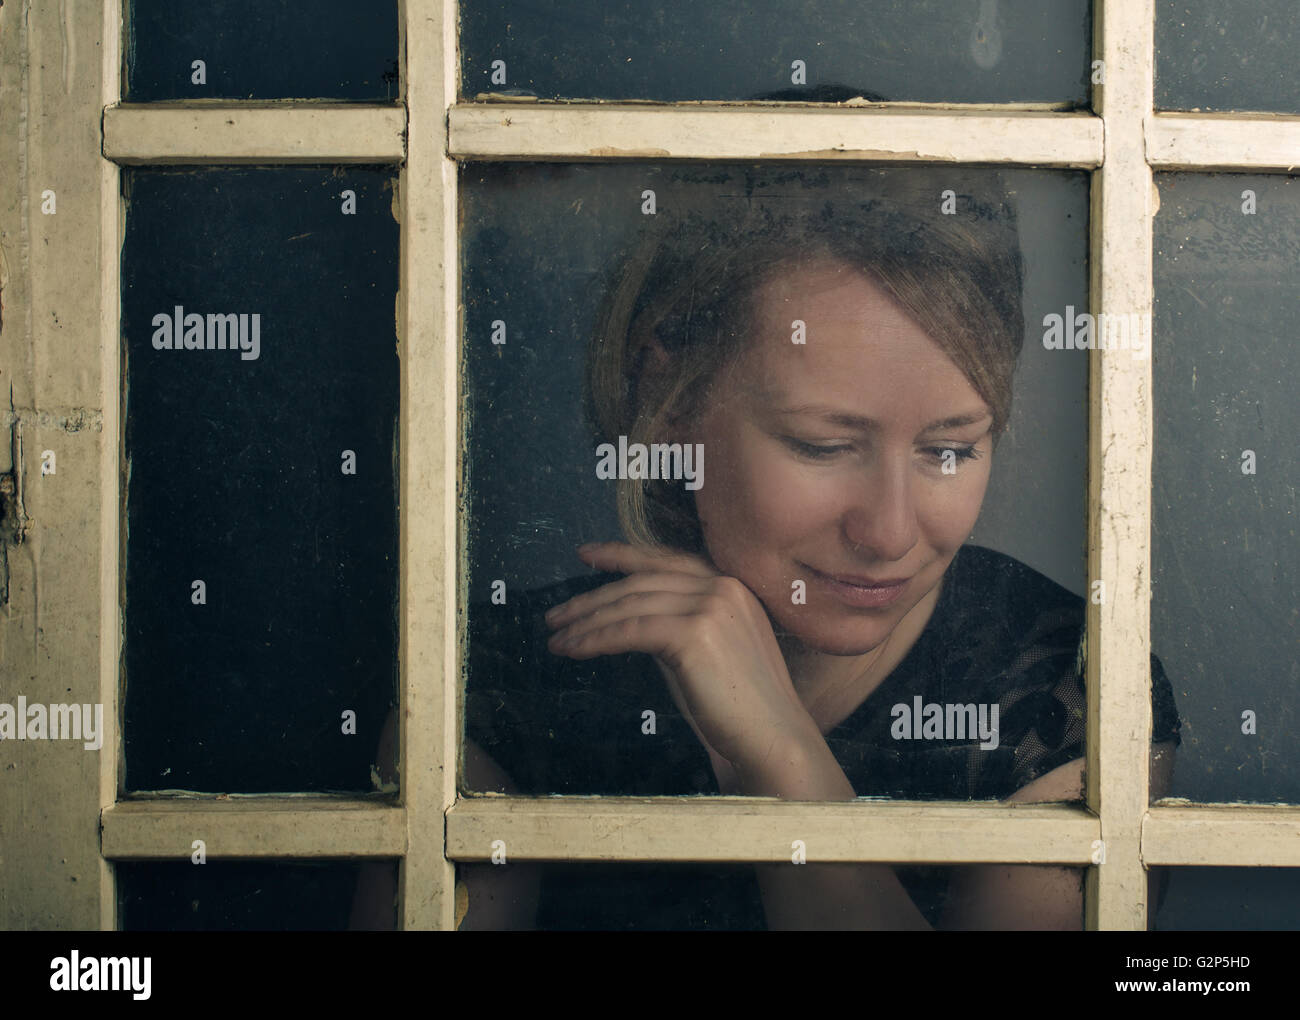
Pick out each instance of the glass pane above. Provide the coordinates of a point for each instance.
(735, 897)
(1227, 899)
(1224, 614)
(251, 49)
(261, 388)
(240, 895)
(748, 317)
(1227, 55)
(972, 51)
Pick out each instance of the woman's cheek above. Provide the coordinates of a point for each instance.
(747, 523)
(795, 509)
(952, 509)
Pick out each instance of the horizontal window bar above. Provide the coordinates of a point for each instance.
(252, 827)
(726, 829)
(1223, 142)
(149, 133)
(712, 830)
(1223, 835)
(499, 131)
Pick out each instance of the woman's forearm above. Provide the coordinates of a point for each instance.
(822, 895)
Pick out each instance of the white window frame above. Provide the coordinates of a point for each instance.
(62, 123)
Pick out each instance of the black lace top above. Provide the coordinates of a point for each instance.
(1001, 634)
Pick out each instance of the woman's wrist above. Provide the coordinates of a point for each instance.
(797, 765)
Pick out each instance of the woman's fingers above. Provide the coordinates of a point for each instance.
(631, 606)
(650, 572)
(587, 602)
(647, 622)
(622, 558)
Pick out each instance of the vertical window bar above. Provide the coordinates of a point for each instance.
(1119, 483)
(429, 338)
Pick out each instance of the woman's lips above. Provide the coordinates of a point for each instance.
(862, 592)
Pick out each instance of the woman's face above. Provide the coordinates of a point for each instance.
(827, 463)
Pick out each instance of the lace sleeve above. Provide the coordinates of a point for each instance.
(1043, 712)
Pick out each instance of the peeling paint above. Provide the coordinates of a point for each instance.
(508, 97)
(609, 150)
(31, 540)
(845, 153)
(462, 902)
(21, 521)
(397, 321)
(24, 187)
(4, 284)
(69, 40)
(67, 420)
(395, 206)
(7, 502)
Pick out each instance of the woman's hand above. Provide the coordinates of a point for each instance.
(711, 638)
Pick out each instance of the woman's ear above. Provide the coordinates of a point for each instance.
(654, 357)
(649, 367)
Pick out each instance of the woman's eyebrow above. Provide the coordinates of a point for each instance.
(857, 421)
(957, 421)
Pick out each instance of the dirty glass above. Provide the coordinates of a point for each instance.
(1224, 613)
(239, 895)
(260, 383)
(1227, 899)
(594, 300)
(972, 51)
(728, 897)
(1227, 55)
(252, 49)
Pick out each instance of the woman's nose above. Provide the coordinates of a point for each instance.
(880, 520)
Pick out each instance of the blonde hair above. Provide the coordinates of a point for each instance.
(688, 289)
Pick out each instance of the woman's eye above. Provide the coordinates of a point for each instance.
(814, 451)
(959, 452)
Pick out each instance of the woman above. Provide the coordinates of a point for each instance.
(797, 617)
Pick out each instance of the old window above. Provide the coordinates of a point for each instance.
(453, 118)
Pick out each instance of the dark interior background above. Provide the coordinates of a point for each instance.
(233, 475)
(1227, 55)
(1225, 559)
(256, 49)
(972, 51)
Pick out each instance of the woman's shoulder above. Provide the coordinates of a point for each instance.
(1005, 642)
(1017, 639)
(1028, 618)
(1006, 617)
(994, 583)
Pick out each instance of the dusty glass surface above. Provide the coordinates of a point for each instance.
(260, 383)
(1224, 610)
(238, 895)
(975, 51)
(1227, 55)
(252, 49)
(761, 328)
(731, 897)
(1227, 899)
